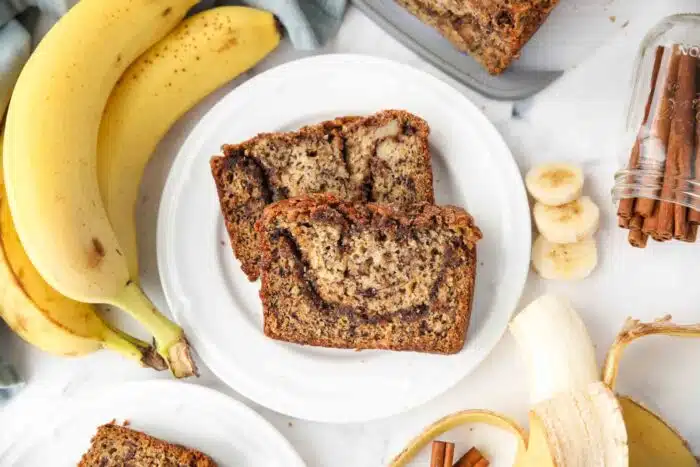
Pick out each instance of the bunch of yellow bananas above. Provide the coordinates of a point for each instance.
(89, 108)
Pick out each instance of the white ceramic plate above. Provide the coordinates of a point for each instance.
(220, 310)
(194, 416)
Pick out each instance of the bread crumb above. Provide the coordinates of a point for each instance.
(127, 422)
(625, 24)
(613, 19)
(289, 424)
(222, 243)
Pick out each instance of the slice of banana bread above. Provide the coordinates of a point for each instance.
(115, 445)
(383, 158)
(491, 31)
(367, 276)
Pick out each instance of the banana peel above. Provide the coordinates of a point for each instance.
(651, 441)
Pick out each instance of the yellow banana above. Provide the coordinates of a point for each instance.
(47, 319)
(201, 54)
(50, 165)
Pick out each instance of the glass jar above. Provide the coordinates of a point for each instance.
(659, 187)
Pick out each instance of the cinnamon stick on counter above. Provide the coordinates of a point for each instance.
(442, 454)
(473, 458)
(626, 206)
(656, 146)
(673, 217)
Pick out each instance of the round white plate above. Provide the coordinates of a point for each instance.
(190, 415)
(220, 310)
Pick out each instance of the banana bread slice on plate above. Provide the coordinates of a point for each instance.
(367, 276)
(116, 445)
(383, 157)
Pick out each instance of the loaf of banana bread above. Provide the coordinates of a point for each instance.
(118, 446)
(367, 276)
(491, 31)
(383, 158)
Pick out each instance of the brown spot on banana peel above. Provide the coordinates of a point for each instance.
(96, 253)
(166, 12)
(230, 43)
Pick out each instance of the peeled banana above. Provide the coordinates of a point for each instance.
(575, 421)
(551, 364)
(50, 167)
(47, 319)
(202, 53)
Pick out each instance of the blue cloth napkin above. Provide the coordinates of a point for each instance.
(10, 382)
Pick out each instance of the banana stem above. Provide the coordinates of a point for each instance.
(633, 330)
(133, 348)
(170, 340)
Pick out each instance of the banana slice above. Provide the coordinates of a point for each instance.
(564, 261)
(555, 184)
(568, 223)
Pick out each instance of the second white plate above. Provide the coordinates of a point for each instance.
(194, 416)
(220, 310)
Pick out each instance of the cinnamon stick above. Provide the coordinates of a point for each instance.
(637, 238)
(623, 223)
(636, 222)
(694, 215)
(626, 205)
(449, 454)
(442, 454)
(655, 151)
(651, 222)
(680, 153)
(472, 458)
(691, 235)
(437, 457)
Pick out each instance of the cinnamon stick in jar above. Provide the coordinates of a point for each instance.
(636, 223)
(637, 238)
(654, 152)
(694, 215)
(625, 208)
(673, 216)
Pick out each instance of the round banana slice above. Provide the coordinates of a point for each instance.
(555, 184)
(568, 223)
(564, 261)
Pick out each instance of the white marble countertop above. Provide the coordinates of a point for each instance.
(576, 119)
